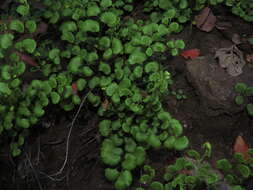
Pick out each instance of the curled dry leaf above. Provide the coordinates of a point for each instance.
(231, 59)
(206, 20)
(240, 146)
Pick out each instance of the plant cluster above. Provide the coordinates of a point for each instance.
(193, 172)
(57, 52)
(244, 96)
(240, 8)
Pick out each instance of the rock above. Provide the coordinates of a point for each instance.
(214, 86)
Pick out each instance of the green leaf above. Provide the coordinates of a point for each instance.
(81, 83)
(174, 52)
(68, 26)
(124, 180)
(76, 99)
(176, 127)
(158, 47)
(170, 13)
(111, 174)
(140, 155)
(111, 89)
(137, 57)
(194, 154)
(240, 87)
(89, 26)
(250, 109)
(55, 97)
(87, 71)
(174, 26)
(179, 44)
(109, 18)
(16, 152)
(116, 46)
(105, 3)
(17, 26)
(244, 170)
(38, 111)
(171, 44)
(110, 154)
(108, 54)
(23, 10)
(149, 51)
(94, 82)
(22, 122)
(105, 128)
(249, 91)
(75, 64)
(181, 143)
(21, 140)
(105, 68)
(105, 42)
(237, 187)
(154, 141)
(4, 89)
(239, 100)
(29, 45)
(6, 40)
(53, 53)
(31, 26)
(169, 142)
(183, 4)
(155, 185)
(129, 162)
(68, 36)
(93, 10)
(224, 165)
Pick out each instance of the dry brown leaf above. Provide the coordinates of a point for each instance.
(231, 59)
(106, 104)
(249, 58)
(236, 38)
(223, 25)
(240, 146)
(206, 20)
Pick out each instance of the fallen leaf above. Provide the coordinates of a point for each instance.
(190, 54)
(223, 25)
(236, 38)
(186, 172)
(74, 88)
(249, 58)
(206, 20)
(240, 146)
(27, 59)
(106, 104)
(231, 59)
(41, 29)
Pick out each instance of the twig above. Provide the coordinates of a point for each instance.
(34, 172)
(68, 138)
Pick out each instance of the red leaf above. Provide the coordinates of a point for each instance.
(240, 146)
(27, 59)
(74, 88)
(192, 53)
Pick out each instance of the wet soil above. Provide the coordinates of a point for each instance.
(41, 165)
